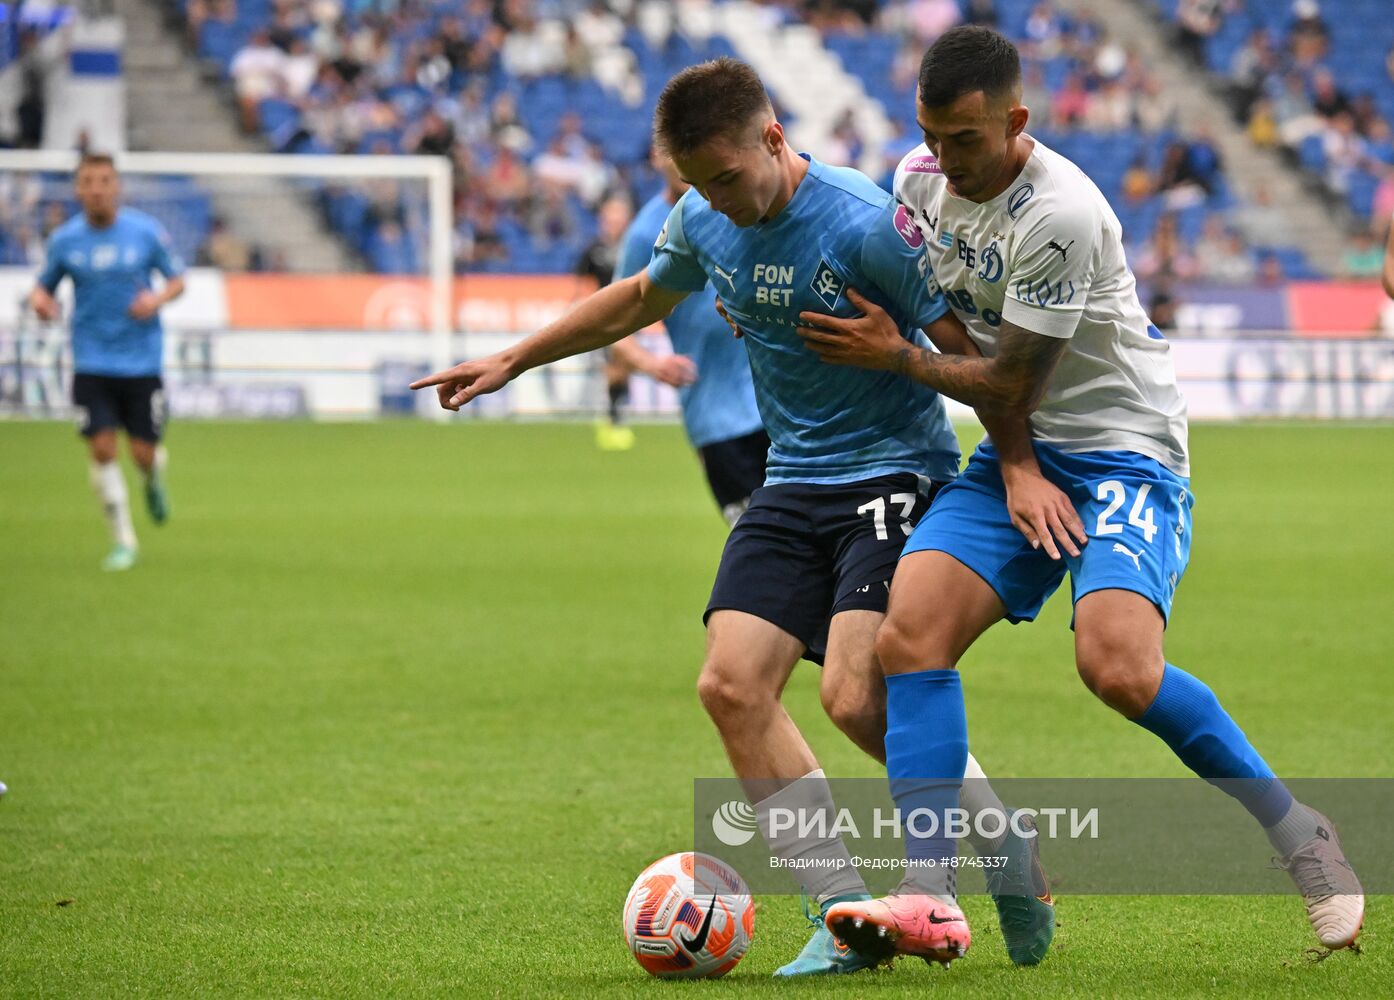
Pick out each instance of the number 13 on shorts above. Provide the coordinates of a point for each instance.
(877, 511)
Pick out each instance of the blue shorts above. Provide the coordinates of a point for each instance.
(803, 552)
(1136, 511)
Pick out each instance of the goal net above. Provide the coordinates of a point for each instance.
(317, 286)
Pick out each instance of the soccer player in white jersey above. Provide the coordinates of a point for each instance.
(1030, 257)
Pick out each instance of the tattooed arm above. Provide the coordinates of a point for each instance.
(1038, 508)
(1012, 383)
(1003, 390)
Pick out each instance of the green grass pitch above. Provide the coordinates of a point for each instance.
(402, 709)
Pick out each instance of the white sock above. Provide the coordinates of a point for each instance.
(978, 798)
(1298, 825)
(157, 468)
(822, 865)
(110, 487)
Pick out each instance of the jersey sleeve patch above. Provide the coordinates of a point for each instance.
(905, 226)
(899, 268)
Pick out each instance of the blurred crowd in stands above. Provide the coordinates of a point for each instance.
(543, 108)
(1315, 80)
(315, 75)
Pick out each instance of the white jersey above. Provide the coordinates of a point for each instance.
(1047, 255)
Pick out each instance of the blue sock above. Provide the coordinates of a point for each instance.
(1188, 717)
(926, 751)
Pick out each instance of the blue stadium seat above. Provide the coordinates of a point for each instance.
(1311, 153)
(276, 114)
(220, 40)
(1361, 194)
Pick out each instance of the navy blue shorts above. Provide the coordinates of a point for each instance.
(735, 469)
(106, 402)
(804, 552)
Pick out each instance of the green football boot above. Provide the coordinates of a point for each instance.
(613, 437)
(1025, 909)
(156, 499)
(825, 955)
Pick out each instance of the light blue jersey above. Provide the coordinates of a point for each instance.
(720, 405)
(827, 423)
(109, 268)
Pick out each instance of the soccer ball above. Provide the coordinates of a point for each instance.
(689, 916)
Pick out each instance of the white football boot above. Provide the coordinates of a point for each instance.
(1332, 894)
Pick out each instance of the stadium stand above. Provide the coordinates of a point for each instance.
(1316, 78)
(544, 107)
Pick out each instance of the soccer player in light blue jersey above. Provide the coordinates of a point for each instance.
(1031, 257)
(109, 253)
(708, 366)
(855, 455)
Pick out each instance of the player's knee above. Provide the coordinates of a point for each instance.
(902, 649)
(892, 647)
(1112, 666)
(727, 694)
(102, 448)
(856, 710)
(143, 452)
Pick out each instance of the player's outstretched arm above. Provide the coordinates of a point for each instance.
(1039, 509)
(602, 318)
(1013, 382)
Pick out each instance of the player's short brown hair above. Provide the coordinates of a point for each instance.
(717, 99)
(95, 160)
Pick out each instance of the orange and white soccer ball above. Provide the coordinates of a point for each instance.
(689, 916)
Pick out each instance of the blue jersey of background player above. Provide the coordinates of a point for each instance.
(855, 454)
(110, 253)
(708, 367)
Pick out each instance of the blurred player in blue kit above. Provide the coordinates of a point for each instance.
(708, 366)
(109, 252)
(855, 457)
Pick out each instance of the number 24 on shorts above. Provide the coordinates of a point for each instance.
(1139, 515)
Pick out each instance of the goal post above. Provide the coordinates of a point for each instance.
(430, 177)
